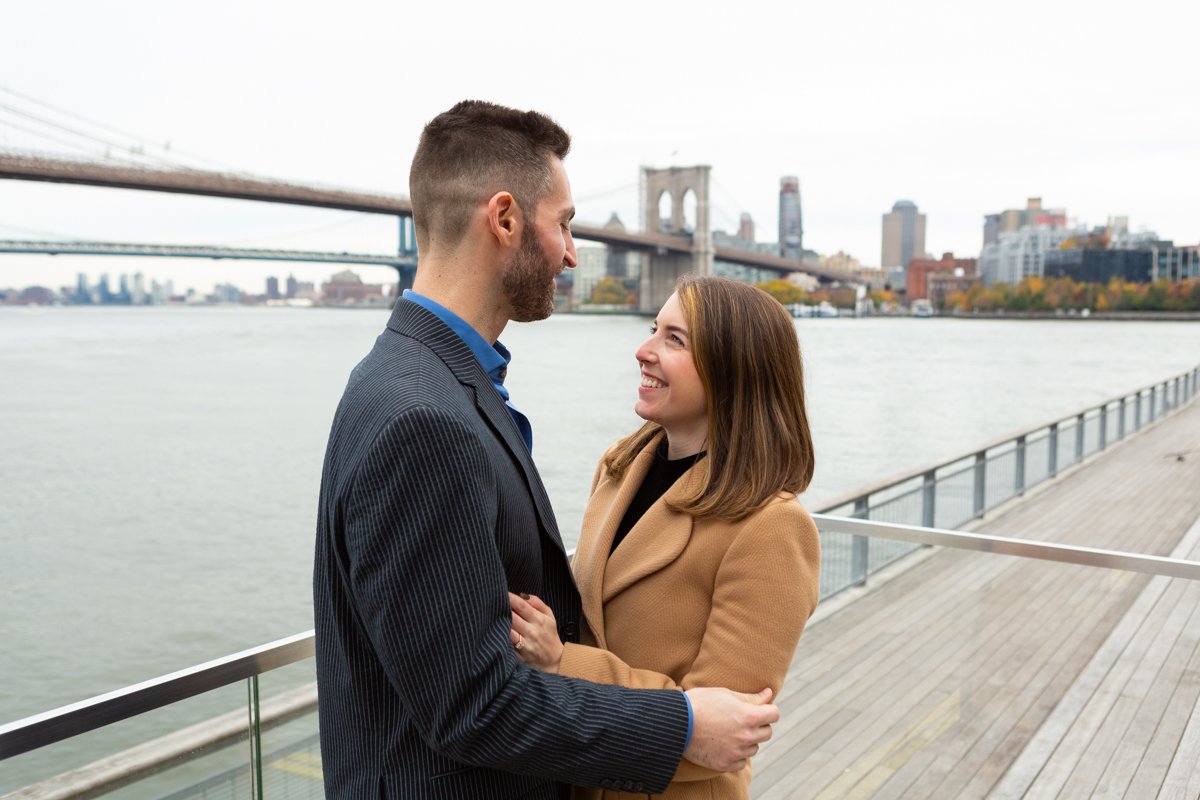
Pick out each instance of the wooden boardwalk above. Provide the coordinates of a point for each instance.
(972, 675)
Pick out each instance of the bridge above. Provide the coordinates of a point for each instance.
(668, 248)
(400, 263)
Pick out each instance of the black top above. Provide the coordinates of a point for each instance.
(662, 475)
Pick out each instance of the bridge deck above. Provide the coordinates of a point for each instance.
(975, 675)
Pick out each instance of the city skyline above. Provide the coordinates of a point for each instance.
(986, 131)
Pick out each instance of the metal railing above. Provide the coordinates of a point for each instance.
(950, 494)
(958, 490)
(54, 726)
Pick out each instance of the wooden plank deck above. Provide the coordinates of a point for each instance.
(972, 675)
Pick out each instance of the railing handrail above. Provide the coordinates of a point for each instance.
(72, 720)
(58, 724)
(893, 481)
(1010, 546)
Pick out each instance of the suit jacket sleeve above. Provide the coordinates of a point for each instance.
(420, 523)
(766, 589)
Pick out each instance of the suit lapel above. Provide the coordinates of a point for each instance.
(410, 319)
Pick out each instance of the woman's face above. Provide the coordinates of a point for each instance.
(671, 392)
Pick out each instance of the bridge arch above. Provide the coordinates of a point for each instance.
(674, 202)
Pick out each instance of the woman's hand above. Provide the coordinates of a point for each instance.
(534, 633)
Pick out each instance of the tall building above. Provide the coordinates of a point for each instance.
(1013, 219)
(1019, 254)
(272, 288)
(746, 228)
(791, 223)
(903, 235)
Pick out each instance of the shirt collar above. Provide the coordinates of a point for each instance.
(493, 358)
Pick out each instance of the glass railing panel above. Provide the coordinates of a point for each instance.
(291, 751)
(148, 756)
(1001, 478)
(1037, 459)
(954, 501)
(903, 509)
(973, 671)
(1091, 434)
(838, 559)
(1113, 420)
(1067, 433)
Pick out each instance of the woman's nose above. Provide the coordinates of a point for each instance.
(644, 351)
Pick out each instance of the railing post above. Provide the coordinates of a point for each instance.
(1121, 419)
(1103, 426)
(1052, 466)
(860, 546)
(1019, 477)
(1153, 403)
(928, 496)
(255, 735)
(1079, 424)
(1137, 412)
(980, 504)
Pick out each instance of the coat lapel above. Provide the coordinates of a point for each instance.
(656, 540)
(410, 319)
(605, 509)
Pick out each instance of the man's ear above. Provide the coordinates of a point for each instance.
(504, 219)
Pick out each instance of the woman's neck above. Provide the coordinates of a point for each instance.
(681, 444)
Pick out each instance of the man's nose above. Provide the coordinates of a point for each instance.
(570, 258)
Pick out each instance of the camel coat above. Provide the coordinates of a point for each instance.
(687, 602)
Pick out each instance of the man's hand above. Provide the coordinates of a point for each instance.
(728, 727)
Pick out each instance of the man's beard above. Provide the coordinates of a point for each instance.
(528, 281)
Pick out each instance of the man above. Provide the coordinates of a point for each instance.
(431, 510)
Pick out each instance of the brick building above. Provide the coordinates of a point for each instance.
(919, 270)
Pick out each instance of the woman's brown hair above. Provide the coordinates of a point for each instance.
(745, 349)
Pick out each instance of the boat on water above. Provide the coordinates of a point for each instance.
(922, 308)
(822, 309)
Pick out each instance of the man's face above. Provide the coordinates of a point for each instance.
(546, 249)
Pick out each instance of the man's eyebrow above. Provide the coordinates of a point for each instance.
(569, 214)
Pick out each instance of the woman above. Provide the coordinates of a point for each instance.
(696, 565)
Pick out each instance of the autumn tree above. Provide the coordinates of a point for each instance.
(786, 293)
(609, 291)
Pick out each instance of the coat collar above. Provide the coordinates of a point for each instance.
(411, 320)
(654, 542)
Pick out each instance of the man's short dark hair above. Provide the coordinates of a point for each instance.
(472, 151)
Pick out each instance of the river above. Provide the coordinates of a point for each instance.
(160, 465)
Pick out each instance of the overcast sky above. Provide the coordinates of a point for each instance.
(963, 108)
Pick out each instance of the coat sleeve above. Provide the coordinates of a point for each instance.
(765, 590)
(430, 591)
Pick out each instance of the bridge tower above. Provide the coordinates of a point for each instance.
(405, 273)
(661, 268)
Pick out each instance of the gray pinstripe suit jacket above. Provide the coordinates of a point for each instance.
(430, 509)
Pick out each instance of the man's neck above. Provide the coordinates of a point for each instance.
(463, 290)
